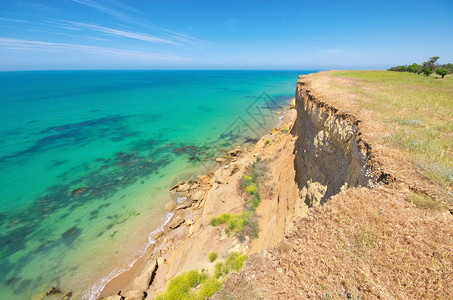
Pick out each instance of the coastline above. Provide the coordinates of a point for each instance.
(181, 243)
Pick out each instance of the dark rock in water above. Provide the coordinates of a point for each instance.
(12, 280)
(53, 291)
(78, 191)
(70, 232)
(67, 296)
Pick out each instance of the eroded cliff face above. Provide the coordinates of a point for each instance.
(329, 153)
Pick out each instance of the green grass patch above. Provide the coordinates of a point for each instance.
(425, 202)
(246, 223)
(194, 285)
(417, 112)
(212, 256)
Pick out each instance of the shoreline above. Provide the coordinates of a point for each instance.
(158, 262)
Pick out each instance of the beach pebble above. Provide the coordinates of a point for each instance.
(170, 206)
(160, 261)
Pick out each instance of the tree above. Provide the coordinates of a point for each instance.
(427, 71)
(442, 72)
(414, 68)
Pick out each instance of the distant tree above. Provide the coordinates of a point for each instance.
(431, 63)
(427, 71)
(433, 60)
(414, 68)
(442, 72)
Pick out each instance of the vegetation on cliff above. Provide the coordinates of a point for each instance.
(246, 223)
(195, 285)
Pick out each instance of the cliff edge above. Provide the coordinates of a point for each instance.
(364, 235)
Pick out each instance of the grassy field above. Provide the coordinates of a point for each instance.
(419, 113)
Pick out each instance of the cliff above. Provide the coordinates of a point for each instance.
(335, 219)
(361, 236)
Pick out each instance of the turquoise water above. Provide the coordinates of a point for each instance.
(87, 157)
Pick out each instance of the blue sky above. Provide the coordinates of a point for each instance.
(211, 34)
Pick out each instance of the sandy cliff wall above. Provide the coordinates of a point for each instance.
(330, 155)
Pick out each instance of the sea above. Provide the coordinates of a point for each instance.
(87, 158)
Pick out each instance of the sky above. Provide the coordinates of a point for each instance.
(217, 34)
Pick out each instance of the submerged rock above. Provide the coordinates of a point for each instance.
(220, 160)
(67, 296)
(78, 191)
(53, 291)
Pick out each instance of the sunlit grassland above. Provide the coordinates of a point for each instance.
(418, 114)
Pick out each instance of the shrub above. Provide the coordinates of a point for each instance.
(209, 287)
(427, 71)
(180, 286)
(236, 223)
(267, 142)
(235, 261)
(222, 219)
(218, 270)
(251, 189)
(286, 130)
(442, 72)
(212, 256)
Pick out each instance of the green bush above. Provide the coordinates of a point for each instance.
(212, 256)
(442, 72)
(427, 71)
(266, 142)
(222, 219)
(218, 270)
(209, 287)
(236, 223)
(251, 189)
(235, 261)
(180, 286)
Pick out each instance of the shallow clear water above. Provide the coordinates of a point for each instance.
(87, 157)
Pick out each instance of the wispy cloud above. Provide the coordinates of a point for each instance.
(17, 44)
(13, 20)
(167, 35)
(107, 9)
(122, 33)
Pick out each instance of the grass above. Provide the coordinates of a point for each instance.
(425, 202)
(195, 285)
(417, 112)
(245, 223)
